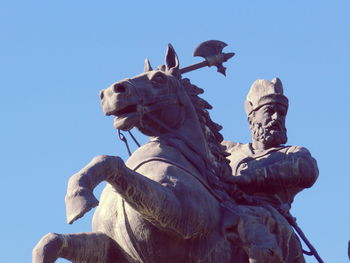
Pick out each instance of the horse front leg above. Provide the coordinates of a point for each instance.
(161, 202)
(79, 248)
(80, 198)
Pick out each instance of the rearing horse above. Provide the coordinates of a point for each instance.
(167, 202)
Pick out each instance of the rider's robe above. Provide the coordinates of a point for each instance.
(276, 176)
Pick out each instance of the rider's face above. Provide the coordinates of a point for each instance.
(268, 124)
(272, 115)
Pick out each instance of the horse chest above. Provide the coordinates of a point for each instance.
(136, 235)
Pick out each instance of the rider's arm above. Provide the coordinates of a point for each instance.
(297, 169)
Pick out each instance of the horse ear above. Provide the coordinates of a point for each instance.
(172, 61)
(147, 66)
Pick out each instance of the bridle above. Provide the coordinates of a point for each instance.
(148, 106)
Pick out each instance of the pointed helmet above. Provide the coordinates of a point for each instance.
(263, 92)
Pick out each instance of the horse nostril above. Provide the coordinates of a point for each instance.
(101, 94)
(118, 88)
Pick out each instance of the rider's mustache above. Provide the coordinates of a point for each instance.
(274, 125)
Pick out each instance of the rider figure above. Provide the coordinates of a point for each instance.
(266, 169)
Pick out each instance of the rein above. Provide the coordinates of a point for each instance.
(123, 139)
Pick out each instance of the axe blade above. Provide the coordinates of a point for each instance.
(209, 48)
(211, 51)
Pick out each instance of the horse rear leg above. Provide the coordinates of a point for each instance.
(79, 248)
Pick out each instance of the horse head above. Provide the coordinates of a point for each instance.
(159, 102)
(152, 101)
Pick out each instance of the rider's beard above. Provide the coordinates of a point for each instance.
(271, 134)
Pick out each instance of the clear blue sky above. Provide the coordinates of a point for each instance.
(55, 56)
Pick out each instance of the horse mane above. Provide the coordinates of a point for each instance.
(211, 130)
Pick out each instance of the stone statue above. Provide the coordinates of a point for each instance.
(266, 169)
(174, 199)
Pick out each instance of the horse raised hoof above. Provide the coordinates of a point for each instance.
(47, 249)
(78, 203)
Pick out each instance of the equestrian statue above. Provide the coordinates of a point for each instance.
(175, 199)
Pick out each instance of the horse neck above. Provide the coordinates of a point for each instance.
(190, 132)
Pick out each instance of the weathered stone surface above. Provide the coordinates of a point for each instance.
(178, 198)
